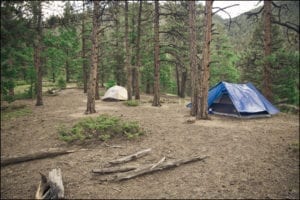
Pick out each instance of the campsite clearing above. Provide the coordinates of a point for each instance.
(248, 158)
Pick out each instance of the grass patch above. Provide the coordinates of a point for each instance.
(103, 127)
(101, 93)
(11, 112)
(131, 103)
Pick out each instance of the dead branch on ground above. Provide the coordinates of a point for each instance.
(145, 169)
(34, 156)
(131, 157)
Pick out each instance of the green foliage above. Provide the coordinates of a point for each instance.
(223, 67)
(15, 111)
(131, 103)
(284, 62)
(286, 76)
(61, 83)
(103, 127)
(110, 83)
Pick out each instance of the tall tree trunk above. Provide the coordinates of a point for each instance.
(133, 58)
(11, 90)
(148, 87)
(37, 55)
(94, 62)
(84, 64)
(156, 96)
(97, 95)
(67, 69)
(102, 74)
(178, 79)
(193, 56)
(138, 54)
(202, 107)
(183, 84)
(118, 57)
(53, 77)
(127, 64)
(267, 90)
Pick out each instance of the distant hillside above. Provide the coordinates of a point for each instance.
(242, 28)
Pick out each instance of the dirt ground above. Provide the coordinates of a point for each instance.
(254, 158)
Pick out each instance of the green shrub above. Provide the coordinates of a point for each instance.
(103, 127)
(61, 83)
(131, 103)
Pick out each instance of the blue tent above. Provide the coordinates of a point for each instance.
(238, 100)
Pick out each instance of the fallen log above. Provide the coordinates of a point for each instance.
(109, 170)
(145, 169)
(34, 156)
(51, 187)
(130, 157)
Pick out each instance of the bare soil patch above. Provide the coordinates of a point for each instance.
(256, 158)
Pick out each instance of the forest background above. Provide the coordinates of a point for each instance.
(64, 43)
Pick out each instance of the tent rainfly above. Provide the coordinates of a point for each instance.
(238, 100)
(115, 93)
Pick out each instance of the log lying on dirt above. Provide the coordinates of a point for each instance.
(130, 157)
(53, 91)
(149, 168)
(34, 156)
(51, 188)
(115, 169)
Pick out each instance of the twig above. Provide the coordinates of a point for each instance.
(158, 163)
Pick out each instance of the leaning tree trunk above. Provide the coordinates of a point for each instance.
(193, 56)
(138, 54)
(127, 65)
(37, 56)
(267, 90)
(156, 101)
(202, 106)
(94, 62)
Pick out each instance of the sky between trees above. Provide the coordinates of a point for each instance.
(56, 7)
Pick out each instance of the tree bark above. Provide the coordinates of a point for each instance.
(193, 56)
(94, 62)
(178, 80)
(148, 87)
(203, 83)
(67, 68)
(97, 95)
(119, 71)
(37, 55)
(127, 64)
(51, 188)
(156, 97)
(183, 84)
(138, 54)
(84, 65)
(267, 90)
